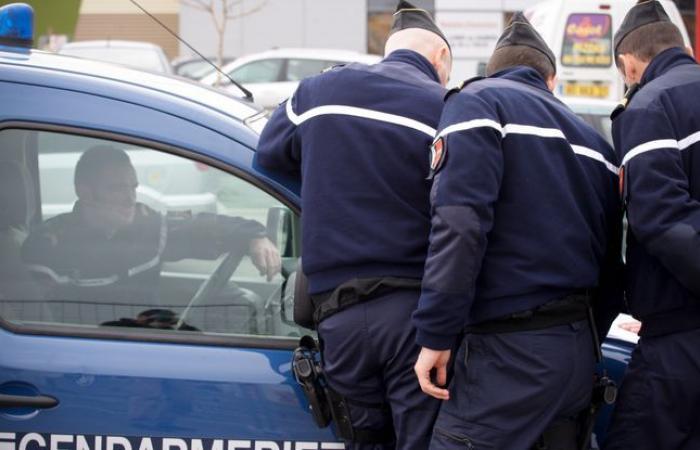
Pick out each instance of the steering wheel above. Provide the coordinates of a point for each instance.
(215, 283)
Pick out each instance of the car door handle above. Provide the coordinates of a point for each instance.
(38, 402)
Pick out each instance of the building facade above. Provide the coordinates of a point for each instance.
(122, 20)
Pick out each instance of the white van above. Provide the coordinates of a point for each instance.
(580, 33)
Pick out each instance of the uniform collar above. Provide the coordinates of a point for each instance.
(523, 74)
(664, 62)
(416, 60)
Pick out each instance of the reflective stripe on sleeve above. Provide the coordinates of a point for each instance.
(476, 123)
(661, 144)
(357, 112)
(530, 130)
(162, 241)
(585, 151)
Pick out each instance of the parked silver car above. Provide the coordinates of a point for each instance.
(138, 55)
(273, 75)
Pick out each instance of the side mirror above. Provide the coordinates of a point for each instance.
(279, 230)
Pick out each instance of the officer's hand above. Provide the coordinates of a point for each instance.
(427, 361)
(633, 326)
(265, 256)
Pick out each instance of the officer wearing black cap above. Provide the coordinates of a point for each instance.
(525, 236)
(656, 132)
(358, 137)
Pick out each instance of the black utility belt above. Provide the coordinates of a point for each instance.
(356, 291)
(570, 309)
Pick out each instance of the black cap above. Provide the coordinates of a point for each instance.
(521, 32)
(643, 13)
(408, 16)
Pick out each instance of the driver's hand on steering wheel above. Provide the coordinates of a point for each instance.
(265, 256)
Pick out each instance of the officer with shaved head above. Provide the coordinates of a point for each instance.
(358, 139)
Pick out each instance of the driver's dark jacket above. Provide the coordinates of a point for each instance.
(80, 263)
(657, 139)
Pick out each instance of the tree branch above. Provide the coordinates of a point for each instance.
(232, 3)
(255, 9)
(198, 4)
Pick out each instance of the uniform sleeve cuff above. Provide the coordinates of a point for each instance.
(435, 341)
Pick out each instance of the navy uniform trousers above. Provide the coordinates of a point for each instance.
(369, 352)
(516, 384)
(659, 403)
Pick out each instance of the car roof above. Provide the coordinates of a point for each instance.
(190, 100)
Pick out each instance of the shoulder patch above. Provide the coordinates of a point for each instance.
(462, 85)
(438, 152)
(625, 100)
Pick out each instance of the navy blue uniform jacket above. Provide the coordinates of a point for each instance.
(525, 208)
(79, 262)
(359, 138)
(657, 138)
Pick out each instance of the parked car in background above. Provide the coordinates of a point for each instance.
(195, 67)
(273, 75)
(581, 35)
(135, 54)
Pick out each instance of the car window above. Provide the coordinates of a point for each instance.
(102, 234)
(263, 71)
(587, 41)
(298, 69)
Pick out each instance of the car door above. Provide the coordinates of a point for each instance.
(200, 363)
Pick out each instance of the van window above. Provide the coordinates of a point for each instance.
(587, 41)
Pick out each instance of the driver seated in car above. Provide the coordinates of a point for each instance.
(110, 248)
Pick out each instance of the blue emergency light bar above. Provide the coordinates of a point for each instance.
(16, 25)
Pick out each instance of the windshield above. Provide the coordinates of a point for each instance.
(587, 41)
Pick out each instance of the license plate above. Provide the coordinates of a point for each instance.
(586, 90)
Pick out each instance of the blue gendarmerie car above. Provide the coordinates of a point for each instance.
(196, 356)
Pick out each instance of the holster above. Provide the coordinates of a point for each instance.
(576, 434)
(325, 403)
(306, 365)
(604, 393)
